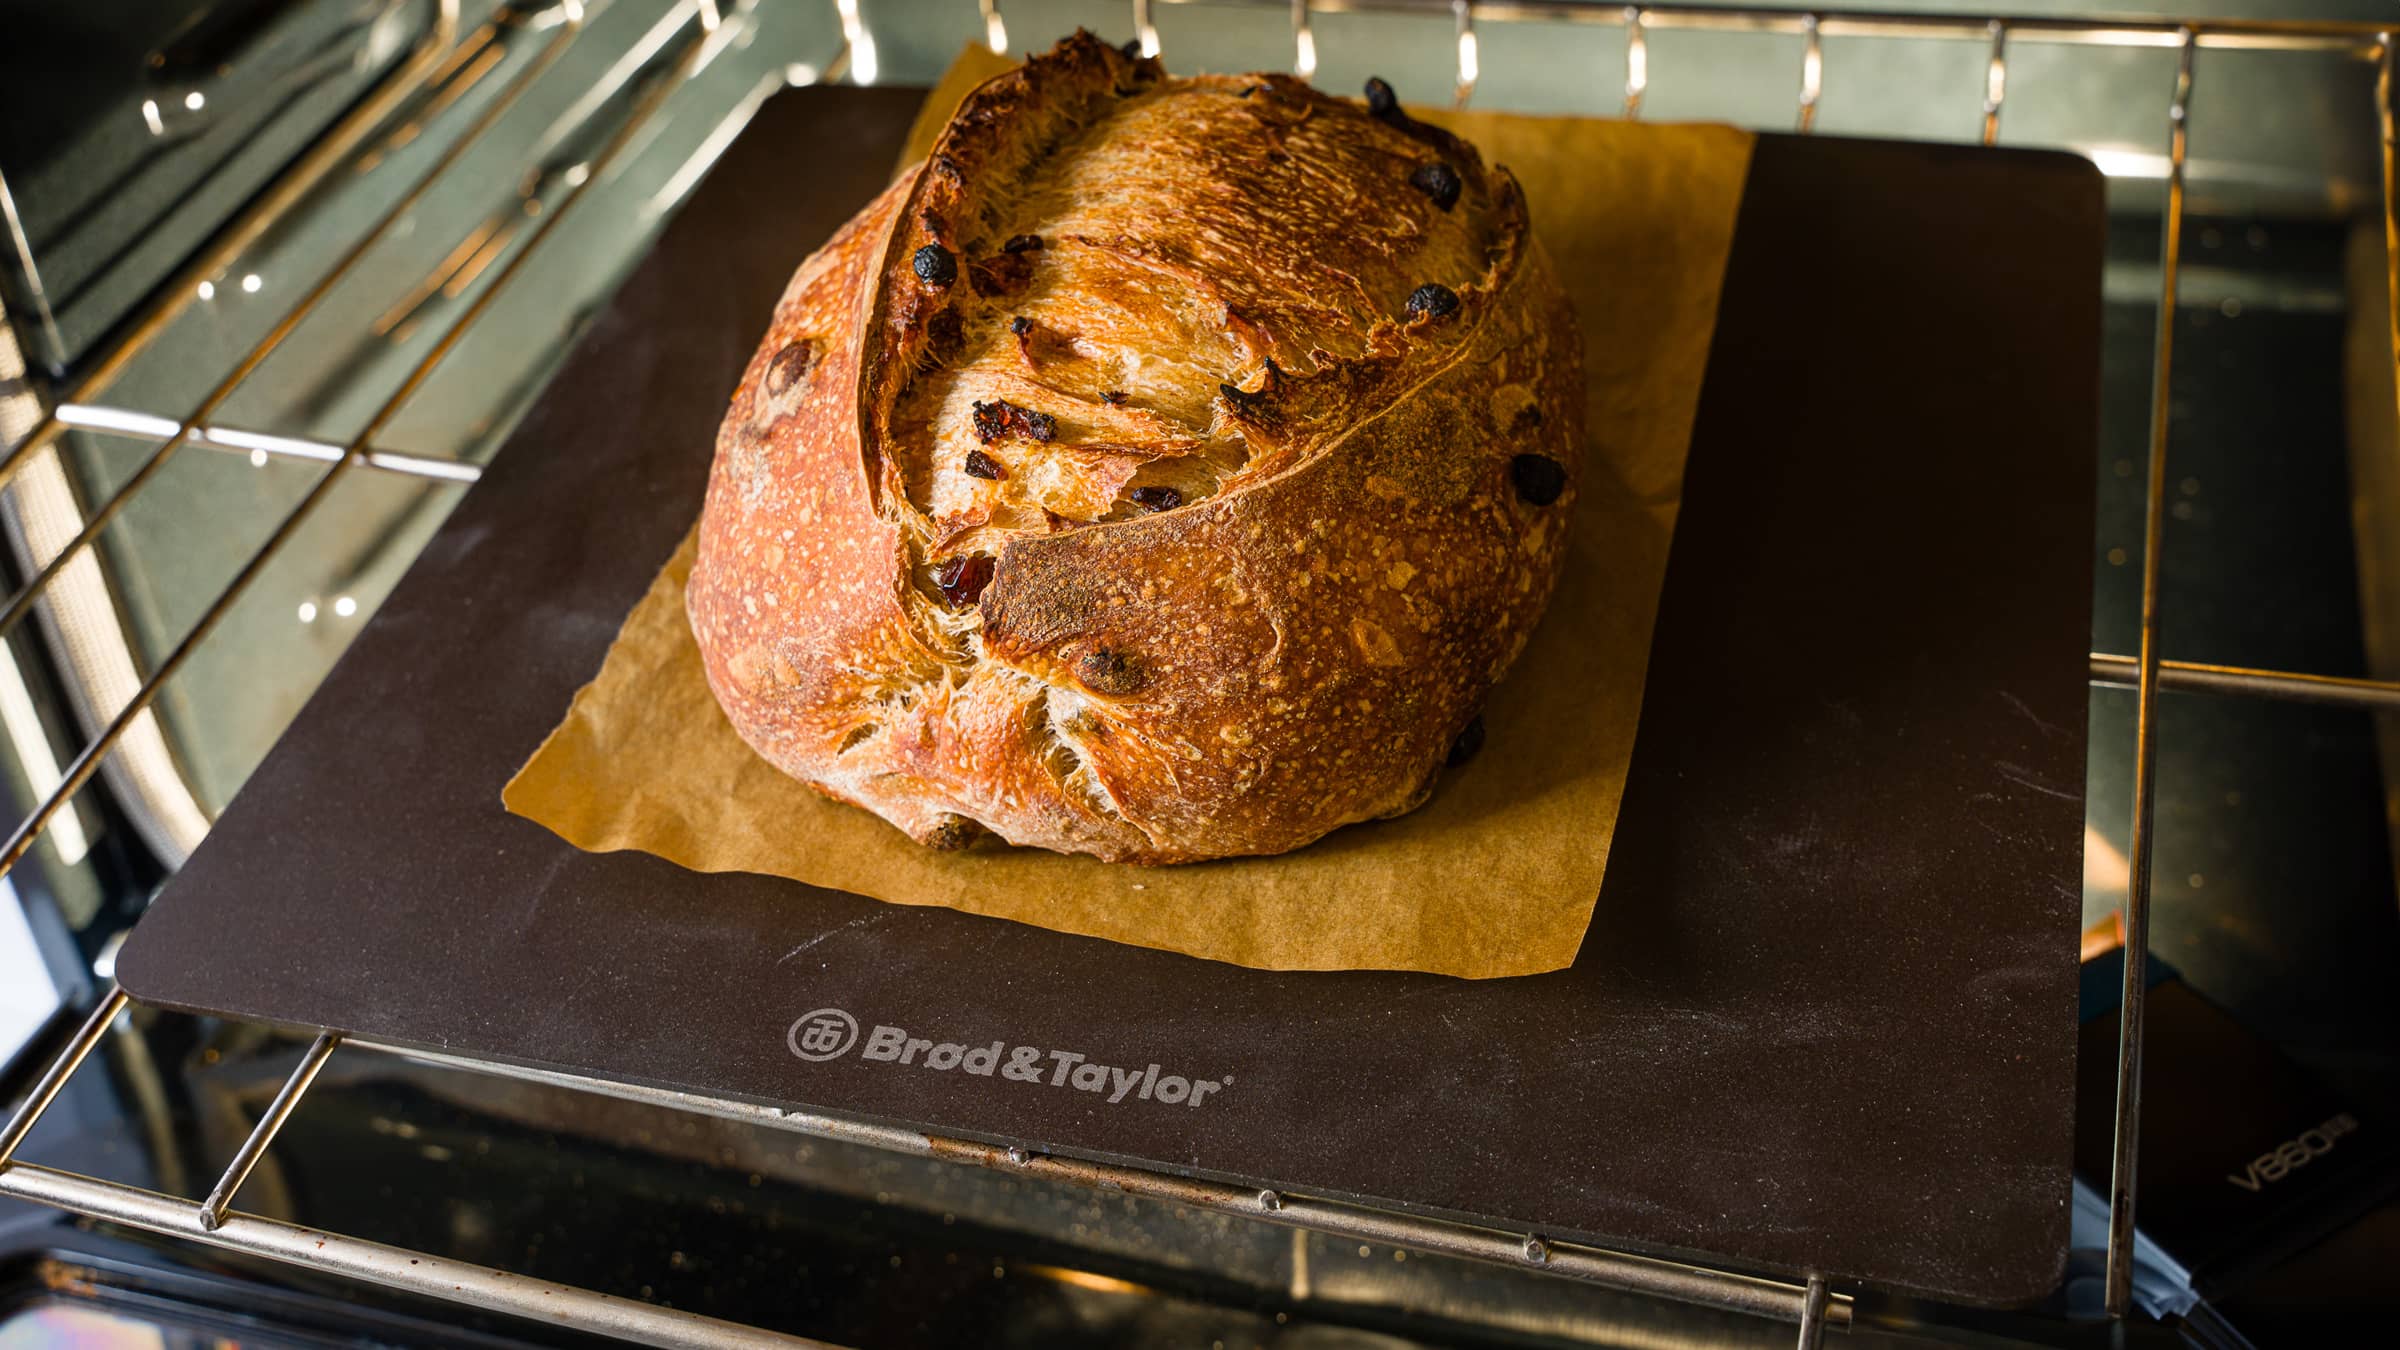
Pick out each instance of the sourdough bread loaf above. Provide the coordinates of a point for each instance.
(1166, 469)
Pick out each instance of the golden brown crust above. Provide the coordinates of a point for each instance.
(1254, 533)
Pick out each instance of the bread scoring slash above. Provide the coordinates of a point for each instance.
(1166, 469)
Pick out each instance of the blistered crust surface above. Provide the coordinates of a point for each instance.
(1118, 483)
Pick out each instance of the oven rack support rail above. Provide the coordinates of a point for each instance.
(695, 31)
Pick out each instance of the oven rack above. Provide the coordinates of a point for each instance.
(700, 32)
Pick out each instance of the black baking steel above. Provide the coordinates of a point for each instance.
(1825, 1016)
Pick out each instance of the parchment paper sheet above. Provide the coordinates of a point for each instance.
(1497, 875)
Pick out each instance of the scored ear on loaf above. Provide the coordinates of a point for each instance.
(1165, 469)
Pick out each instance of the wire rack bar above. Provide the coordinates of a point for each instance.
(270, 207)
(1469, 53)
(1593, 1265)
(1995, 82)
(1637, 61)
(245, 1160)
(2128, 1124)
(2353, 38)
(212, 1223)
(100, 516)
(398, 1268)
(1812, 1314)
(55, 1077)
(697, 49)
(2387, 102)
(2200, 677)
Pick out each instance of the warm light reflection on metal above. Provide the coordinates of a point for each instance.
(2340, 691)
(1143, 29)
(1470, 65)
(1812, 72)
(1304, 42)
(258, 444)
(1637, 60)
(2103, 936)
(1084, 1279)
(995, 29)
(2387, 90)
(860, 44)
(2104, 869)
(2141, 841)
(2121, 162)
(1995, 83)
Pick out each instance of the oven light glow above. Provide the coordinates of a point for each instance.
(258, 459)
(252, 282)
(864, 68)
(1637, 59)
(1144, 31)
(2122, 162)
(195, 100)
(2106, 873)
(308, 611)
(344, 606)
(208, 290)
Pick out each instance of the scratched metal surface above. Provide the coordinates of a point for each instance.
(1824, 1017)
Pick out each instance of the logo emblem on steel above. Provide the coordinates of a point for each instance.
(827, 1033)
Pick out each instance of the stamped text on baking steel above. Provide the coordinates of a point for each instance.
(830, 1033)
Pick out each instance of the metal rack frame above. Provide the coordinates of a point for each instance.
(1812, 1306)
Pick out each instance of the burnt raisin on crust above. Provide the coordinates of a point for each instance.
(1439, 182)
(1433, 300)
(1539, 479)
(935, 265)
(1143, 592)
